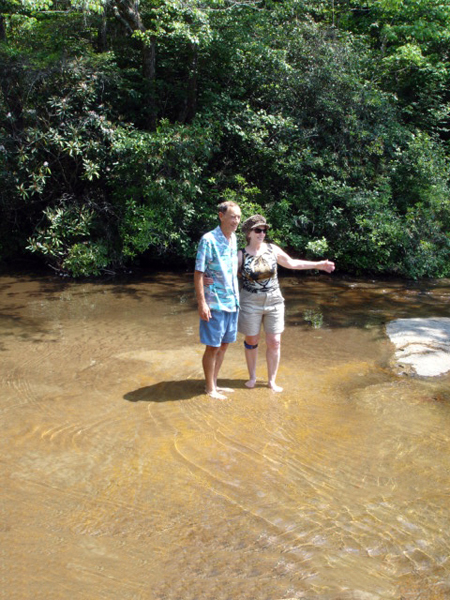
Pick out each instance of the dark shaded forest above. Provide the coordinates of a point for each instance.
(123, 124)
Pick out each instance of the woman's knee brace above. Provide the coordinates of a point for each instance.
(250, 346)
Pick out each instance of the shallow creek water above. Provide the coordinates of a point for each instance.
(122, 480)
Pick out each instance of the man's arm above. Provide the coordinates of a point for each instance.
(203, 308)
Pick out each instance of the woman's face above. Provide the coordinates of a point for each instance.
(257, 234)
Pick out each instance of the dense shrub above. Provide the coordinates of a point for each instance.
(108, 155)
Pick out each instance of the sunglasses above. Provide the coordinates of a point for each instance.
(259, 230)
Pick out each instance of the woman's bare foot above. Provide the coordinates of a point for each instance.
(250, 383)
(225, 390)
(274, 387)
(216, 395)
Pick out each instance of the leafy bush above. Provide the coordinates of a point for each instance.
(332, 135)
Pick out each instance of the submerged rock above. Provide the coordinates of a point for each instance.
(423, 345)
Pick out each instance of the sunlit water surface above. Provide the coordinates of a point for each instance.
(122, 480)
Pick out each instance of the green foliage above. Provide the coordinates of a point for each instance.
(419, 175)
(158, 184)
(123, 125)
(64, 238)
(426, 246)
(314, 317)
(318, 247)
(411, 40)
(95, 6)
(87, 259)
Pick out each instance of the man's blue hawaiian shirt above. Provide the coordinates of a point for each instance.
(217, 258)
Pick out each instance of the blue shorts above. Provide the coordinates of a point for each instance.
(220, 329)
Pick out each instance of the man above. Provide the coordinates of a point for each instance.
(218, 303)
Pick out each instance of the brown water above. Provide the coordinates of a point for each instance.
(121, 480)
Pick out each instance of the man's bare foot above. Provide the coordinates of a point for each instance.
(216, 395)
(250, 383)
(225, 390)
(274, 387)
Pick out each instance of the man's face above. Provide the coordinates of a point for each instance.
(229, 221)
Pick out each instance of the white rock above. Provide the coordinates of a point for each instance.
(422, 344)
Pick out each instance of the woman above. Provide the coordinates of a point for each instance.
(261, 301)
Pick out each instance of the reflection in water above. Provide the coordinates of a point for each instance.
(121, 479)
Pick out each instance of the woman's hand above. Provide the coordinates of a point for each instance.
(327, 265)
(207, 280)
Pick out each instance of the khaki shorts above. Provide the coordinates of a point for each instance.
(261, 308)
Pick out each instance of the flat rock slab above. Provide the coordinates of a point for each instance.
(422, 345)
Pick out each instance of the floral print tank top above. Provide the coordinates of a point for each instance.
(260, 273)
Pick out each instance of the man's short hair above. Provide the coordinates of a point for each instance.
(224, 206)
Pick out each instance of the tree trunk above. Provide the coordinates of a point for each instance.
(149, 60)
(149, 72)
(127, 11)
(102, 37)
(189, 108)
(2, 29)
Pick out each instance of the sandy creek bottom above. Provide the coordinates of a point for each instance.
(121, 480)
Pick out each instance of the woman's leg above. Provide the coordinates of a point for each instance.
(273, 345)
(251, 355)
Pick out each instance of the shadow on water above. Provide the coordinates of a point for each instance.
(171, 391)
(13, 326)
(345, 302)
(342, 301)
(159, 285)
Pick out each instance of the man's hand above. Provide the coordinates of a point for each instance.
(204, 311)
(203, 308)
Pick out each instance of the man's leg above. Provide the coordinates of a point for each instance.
(221, 326)
(221, 354)
(219, 360)
(229, 336)
(209, 367)
(212, 361)
(211, 333)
